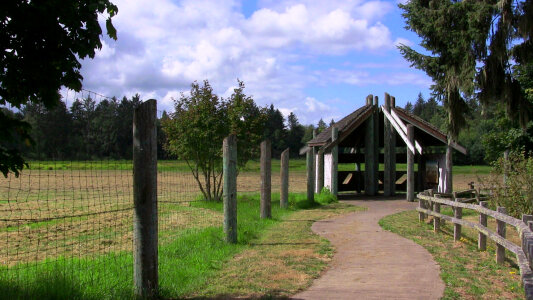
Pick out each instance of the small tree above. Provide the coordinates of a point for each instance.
(201, 121)
(516, 193)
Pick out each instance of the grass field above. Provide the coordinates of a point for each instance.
(467, 273)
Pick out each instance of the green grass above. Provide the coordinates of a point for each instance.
(252, 166)
(185, 264)
(467, 273)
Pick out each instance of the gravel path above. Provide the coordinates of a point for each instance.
(370, 263)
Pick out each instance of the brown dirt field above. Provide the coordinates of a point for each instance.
(75, 213)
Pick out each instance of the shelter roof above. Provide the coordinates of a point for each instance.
(348, 124)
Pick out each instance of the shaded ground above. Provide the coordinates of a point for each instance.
(371, 263)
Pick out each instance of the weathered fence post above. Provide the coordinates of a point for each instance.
(500, 229)
(320, 170)
(310, 175)
(229, 189)
(410, 165)
(284, 173)
(334, 162)
(422, 205)
(458, 214)
(266, 184)
(482, 238)
(436, 208)
(145, 277)
(477, 192)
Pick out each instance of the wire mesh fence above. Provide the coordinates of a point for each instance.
(67, 225)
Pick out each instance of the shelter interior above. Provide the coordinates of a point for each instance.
(377, 138)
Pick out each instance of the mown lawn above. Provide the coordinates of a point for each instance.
(466, 272)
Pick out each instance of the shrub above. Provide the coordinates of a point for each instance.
(516, 194)
(325, 197)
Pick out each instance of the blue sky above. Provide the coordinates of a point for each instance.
(318, 59)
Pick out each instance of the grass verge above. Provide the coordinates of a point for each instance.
(467, 273)
(197, 261)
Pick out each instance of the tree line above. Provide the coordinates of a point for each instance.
(91, 130)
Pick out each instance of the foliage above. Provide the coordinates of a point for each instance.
(276, 131)
(516, 193)
(295, 135)
(89, 130)
(473, 46)
(200, 123)
(41, 43)
(326, 197)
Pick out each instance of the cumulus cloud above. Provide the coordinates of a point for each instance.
(165, 45)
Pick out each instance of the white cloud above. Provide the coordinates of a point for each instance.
(164, 45)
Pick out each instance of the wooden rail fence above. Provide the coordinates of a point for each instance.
(430, 204)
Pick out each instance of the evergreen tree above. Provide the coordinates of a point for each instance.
(295, 135)
(473, 45)
(321, 125)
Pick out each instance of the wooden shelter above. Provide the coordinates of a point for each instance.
(374, 135)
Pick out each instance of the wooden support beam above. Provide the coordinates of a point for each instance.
(389, 140)
(310, 175)
(376, 145)
(404, 129)
(266, 183)
(320, 170)
(398, 129)
(229, 188)
(410, 165)
(334, 162)
(369, 156)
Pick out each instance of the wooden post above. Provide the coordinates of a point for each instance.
(478, 196)
(334, 162)
(524, 236)
(266, 168)
(145, 265)
(315, 161)
(389, 153)
(421, 172)
(320, 170)
(310, 176)
(229, 189)
(436, 208)
(369, 153)
(410, 165)
(500, 229)
(422, 204)
(449, 166)
(458, 214)
(284, 174)
(482, 238)
(376, 145)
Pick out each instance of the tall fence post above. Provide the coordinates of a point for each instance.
(284, 174)
(145, 277)
(458, 214)
(266, 184)
(500, 229)
(436, 208)
(482, 238)
(229, 189)
(310, 175)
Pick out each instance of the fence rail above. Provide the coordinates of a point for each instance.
(430, 204)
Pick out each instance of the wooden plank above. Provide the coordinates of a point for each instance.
(376, 145)
(266, 183)
(398, 129)
(404, 129)
(388, 149)
(229, 188)
(145, 263)
(284, 174)
(410, 166)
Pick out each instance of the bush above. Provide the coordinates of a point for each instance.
(516, 194)
(325, 197)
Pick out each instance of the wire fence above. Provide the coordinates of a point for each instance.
(68, 225)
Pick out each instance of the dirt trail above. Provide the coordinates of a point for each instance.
(370, 263)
